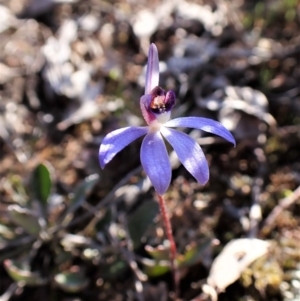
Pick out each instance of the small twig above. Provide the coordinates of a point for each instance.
(283, 204)
(9, 292)
(255, 214)
(173, 250)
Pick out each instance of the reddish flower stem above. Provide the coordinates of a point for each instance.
(173, 250)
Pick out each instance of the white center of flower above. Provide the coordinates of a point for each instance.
(154, 126)
(163, 117)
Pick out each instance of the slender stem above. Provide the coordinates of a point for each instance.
(173, 250)
(270, 221)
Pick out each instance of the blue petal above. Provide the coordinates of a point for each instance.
(155, 161)
(117, 140)
(189, 153)
(204, 124)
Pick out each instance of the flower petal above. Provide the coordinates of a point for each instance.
(152, 73)
(155, 161)
(189, 153)
(117, 140)
(204, 124)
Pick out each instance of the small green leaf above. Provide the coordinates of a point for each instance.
(156, 268)
(72, 281)
(20, 272)
(116, 269)
(161, 263)
(25, 218)
(158, 253)
(82, 191)
(140, 220)
(79, 197)
(193, 254)
(41, 183)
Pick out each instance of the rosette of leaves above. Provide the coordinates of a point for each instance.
(46, 239)
(35, 245)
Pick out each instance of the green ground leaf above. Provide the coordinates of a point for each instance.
(140, 220)
(82, 191)
(193, 254)
(158, 253)
(72, 281)
(156, 268)
(25, 219)
(19, 271)
(41, 183)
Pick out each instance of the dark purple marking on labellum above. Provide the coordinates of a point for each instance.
(160, 101)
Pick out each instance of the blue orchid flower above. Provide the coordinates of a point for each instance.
(156, 106)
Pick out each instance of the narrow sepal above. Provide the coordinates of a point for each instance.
(115, 141)
(205, 124)
(152, 72)
(189, 153)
